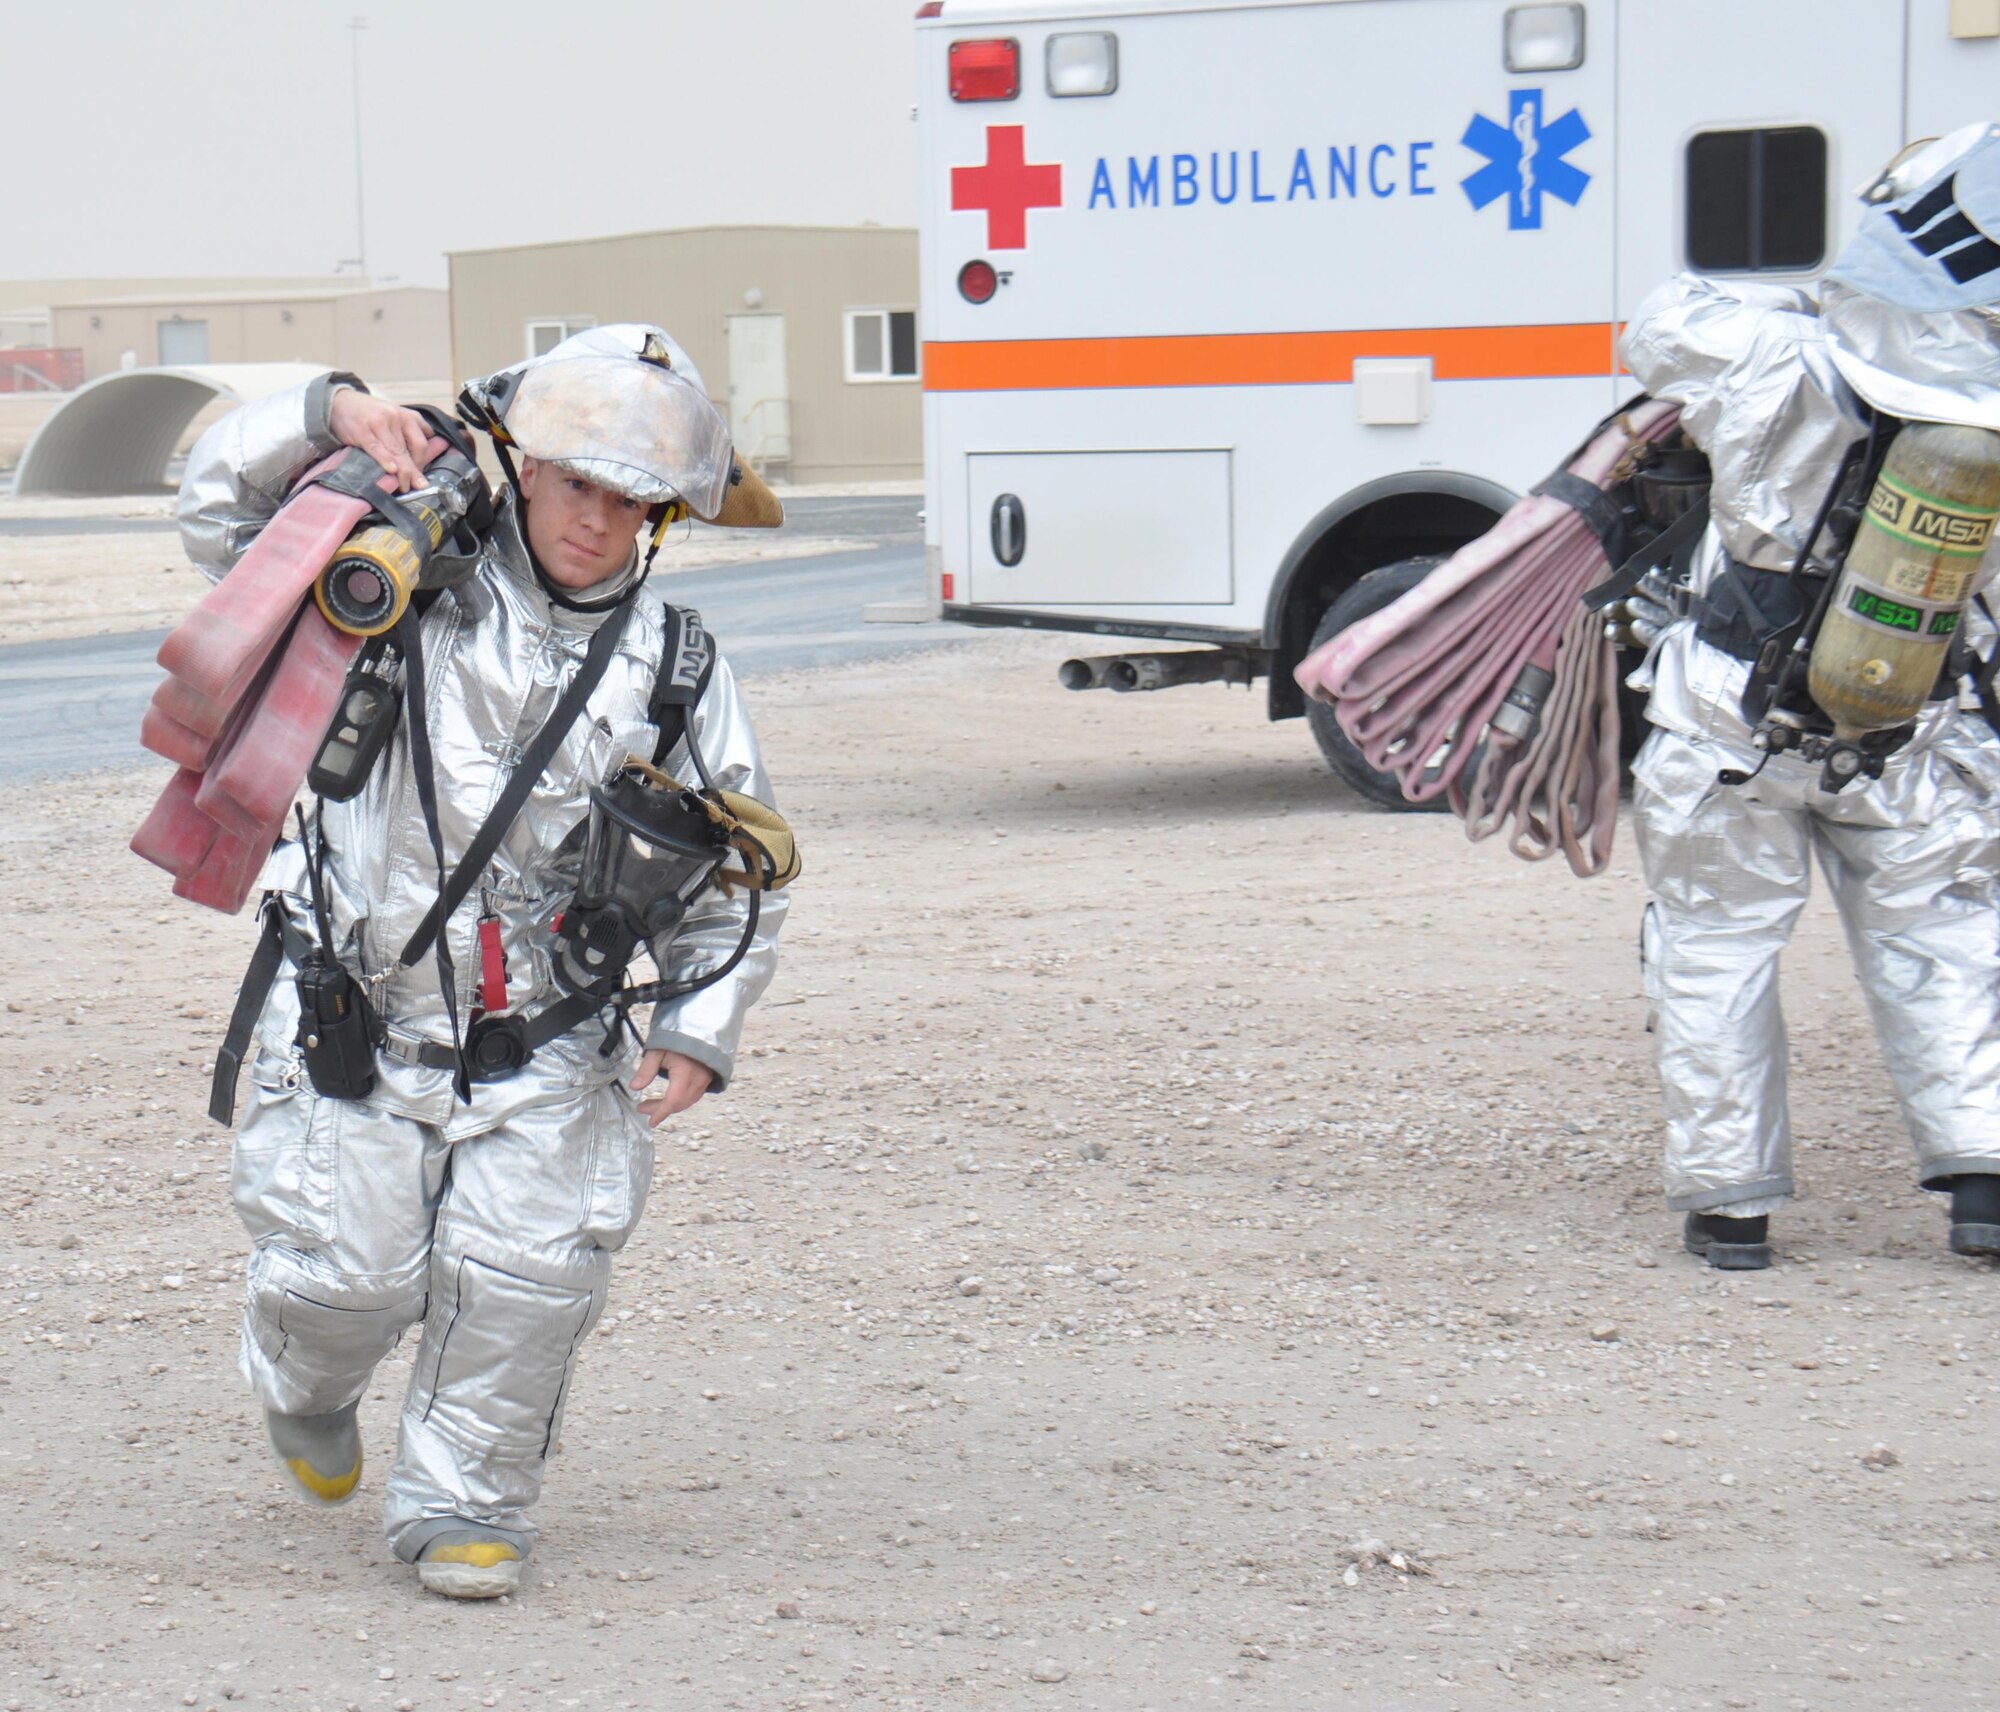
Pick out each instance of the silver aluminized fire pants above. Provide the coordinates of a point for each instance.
(365, 1222)
(1911, 861)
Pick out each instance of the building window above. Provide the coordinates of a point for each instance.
(544, 336)
(881, 344)
(1756, 200)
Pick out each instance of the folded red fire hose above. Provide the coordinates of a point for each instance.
(1491, 682)
(255, 674)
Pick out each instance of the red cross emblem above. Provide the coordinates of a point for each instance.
(1006, 187)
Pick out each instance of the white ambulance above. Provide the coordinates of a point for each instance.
(1227, 304)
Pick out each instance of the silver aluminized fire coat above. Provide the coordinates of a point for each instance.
(1912, 858)
(500, 1215)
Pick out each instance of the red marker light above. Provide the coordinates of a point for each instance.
(977, 282)
(985, 71)
(931, 9)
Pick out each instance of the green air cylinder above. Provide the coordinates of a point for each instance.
(1902, 593)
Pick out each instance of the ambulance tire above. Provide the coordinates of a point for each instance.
(1364, 597)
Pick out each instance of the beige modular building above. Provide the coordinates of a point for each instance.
(806, 336)
(390, 333)
(26, 305)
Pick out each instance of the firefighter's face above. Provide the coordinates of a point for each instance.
(580, 532)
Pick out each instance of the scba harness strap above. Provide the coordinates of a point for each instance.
(500, 1045)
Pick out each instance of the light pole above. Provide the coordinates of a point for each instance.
(355, 27)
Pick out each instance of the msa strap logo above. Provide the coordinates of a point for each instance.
(1524, 160)
(1924, 521)
(689, 653)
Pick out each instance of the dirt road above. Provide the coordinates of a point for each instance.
(1180, 1239)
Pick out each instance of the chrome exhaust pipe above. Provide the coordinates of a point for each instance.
(1089, 673)
(1130, 673)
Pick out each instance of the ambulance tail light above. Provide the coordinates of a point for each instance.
(985, 71)
(1083, 63)
(977, 282)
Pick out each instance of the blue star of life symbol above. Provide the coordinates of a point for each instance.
(1524, 159)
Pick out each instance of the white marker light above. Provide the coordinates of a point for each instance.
(1083, 64)
(1544, 38)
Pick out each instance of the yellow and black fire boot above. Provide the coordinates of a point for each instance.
(320, 1453)
(470, 1563)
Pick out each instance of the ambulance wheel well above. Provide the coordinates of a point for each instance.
(1378, 523)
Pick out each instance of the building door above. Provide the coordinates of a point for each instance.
(760, 390)
(183, 342)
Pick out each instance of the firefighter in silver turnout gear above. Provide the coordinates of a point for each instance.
(1773, 387)
(494, 1222)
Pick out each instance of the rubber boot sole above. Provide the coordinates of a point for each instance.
(1982, 1240)
(470, 1564)
(1728, 1256)
(471, 1580)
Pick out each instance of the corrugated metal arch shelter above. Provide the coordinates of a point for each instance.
(116, 434)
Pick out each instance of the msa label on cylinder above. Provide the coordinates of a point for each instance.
(1941, 542)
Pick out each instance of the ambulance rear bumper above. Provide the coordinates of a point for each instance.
(1020, 618)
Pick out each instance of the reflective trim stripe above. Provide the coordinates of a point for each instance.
(1578, 349)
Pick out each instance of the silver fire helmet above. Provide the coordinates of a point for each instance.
(620, 406)
(1912, 305)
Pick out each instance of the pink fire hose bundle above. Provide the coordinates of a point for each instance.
(1442, 689)
(255, 673)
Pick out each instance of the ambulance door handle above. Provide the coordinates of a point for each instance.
(1010, 529)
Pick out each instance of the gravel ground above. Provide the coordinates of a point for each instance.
(1179, 1238)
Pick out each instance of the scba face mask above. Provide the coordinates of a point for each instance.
(652, 847)
(648, 853)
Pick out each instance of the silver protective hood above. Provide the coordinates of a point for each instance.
(1912, 305)
(1752, 369)
(623, 408)
(1940, 367)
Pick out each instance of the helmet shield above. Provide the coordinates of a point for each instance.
(634, 427)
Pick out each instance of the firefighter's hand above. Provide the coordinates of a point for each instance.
(1642, 617)
(394, 437)
(687, 1081)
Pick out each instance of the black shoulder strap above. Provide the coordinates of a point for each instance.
(1682, 532)
(250, 997)
(523, 779)
(687, 662)
(1598, 508)
(276, 940)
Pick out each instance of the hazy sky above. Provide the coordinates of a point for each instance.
(217, 136)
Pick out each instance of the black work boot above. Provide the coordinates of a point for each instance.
(1729, 1245)
(1975, 1214)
